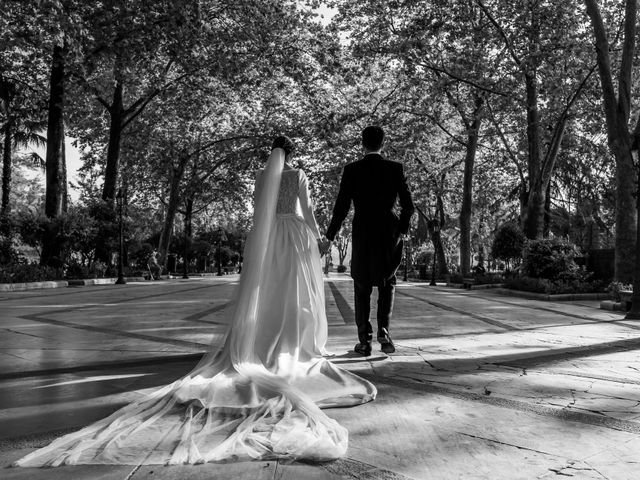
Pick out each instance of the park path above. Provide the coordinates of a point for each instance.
(482, 386)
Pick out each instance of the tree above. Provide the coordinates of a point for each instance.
(617, 111)
(508, 243)
(133, 55)
(22, 76)
(543, 41)
(343, 240)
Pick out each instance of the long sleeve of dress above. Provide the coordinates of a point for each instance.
(306, 205)
(257, 184)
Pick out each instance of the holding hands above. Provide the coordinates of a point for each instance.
(324, 245)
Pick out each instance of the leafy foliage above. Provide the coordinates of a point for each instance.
(552, 259)
(23, 272)
(614, 289)
(553, 287)
(205, 85)
(508, 243)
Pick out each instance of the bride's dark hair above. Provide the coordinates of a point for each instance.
(283, 142)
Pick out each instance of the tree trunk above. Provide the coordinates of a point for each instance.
(113, 151)
(616, 109)
(103, 252)
(6, 170)
(64, 192)
(441, 259)
(55, 189)
(188, 215)
(436, 237)
(538, 203)
(342, 247)
(532, 222)
(125, 206)
(547, 212)
(626, 214)
(467, 188)
(55, 136)
(172, 208)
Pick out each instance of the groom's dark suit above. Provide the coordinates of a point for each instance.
(373, 184)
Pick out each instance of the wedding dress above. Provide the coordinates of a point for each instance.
(259, 395)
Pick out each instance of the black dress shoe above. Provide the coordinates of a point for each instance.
(386, 344)
(363, 349)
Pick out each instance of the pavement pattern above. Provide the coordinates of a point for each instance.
(482, 386)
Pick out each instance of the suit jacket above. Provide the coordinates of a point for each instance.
(373, 184)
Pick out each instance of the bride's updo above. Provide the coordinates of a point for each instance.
(284, 143)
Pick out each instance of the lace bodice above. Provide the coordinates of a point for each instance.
(294, 199)
(289, 190)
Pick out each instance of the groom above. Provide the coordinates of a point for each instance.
(373, 184)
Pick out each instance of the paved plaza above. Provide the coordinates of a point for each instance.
(482, 386)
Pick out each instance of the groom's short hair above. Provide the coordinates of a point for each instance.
(372, 137)
(284, 143)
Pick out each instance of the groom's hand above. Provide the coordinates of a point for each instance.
(324, 245)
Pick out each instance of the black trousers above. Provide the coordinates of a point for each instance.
(363, 307)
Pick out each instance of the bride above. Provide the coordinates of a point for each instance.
(260, 395)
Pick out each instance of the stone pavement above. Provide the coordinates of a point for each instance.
(482, 386)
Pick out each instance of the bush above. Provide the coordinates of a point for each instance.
(528, 284)
(553, 259)
(342, 268)
(75, 269)
(423, 257)
(551, 287)
(508, 243)
(456, 278)
(75, 231)
(8, 254)
(140, 253)
(488, 278)
(23, 272)
(614, 289)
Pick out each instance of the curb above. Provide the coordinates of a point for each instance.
(613, 306)
(561, 297)
(102, 281)
(19, 287)
(16, 287)
(473, 286)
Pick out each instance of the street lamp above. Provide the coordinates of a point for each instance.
(406, 259)
(241, 258)
(185, 266)
(436, 229)
(634, 312)
(120, 202)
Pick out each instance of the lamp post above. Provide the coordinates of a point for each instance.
(634, 312)
(436, 229)
(241, 258)
(120, 202)
(406, 259)
(185, 253)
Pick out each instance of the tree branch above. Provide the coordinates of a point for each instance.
(502, 33)
(604, 67)
(463, 80)
(626, 66)
(512, 155)
(437, 122)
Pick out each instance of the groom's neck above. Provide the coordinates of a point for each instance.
(368, 152)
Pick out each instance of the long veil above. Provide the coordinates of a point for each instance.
(230, 405)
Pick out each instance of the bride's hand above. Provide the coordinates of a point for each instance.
(323, 246)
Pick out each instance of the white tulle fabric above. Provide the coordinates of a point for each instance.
(260, 395)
